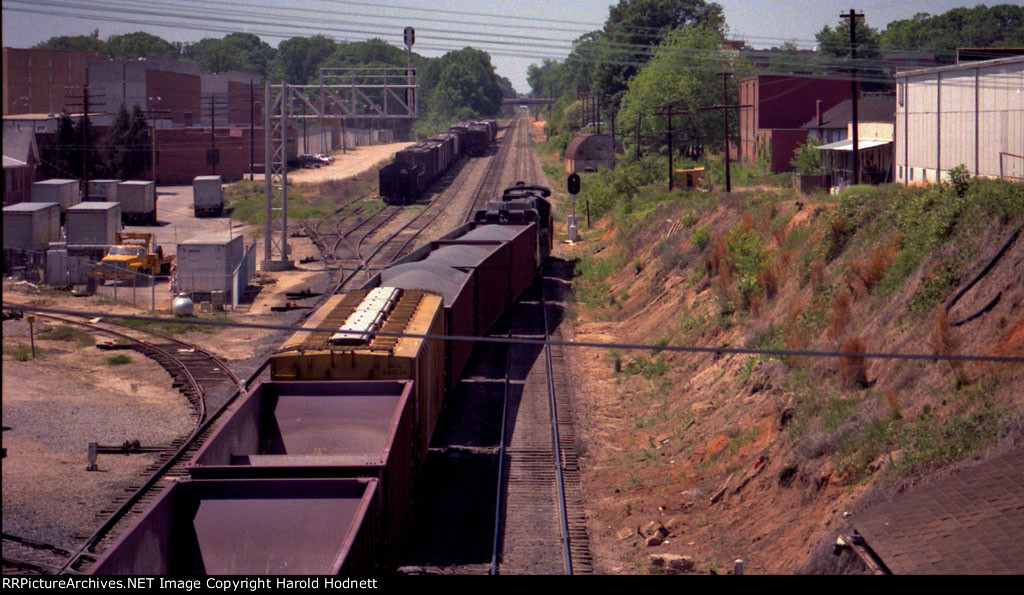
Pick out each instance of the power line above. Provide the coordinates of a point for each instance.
(541, 342)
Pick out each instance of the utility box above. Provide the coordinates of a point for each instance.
(103, 190)
(93, 223)
(31, 225)
(66, 193)
(138, 201)
(207, 195)
(689, 179)
(206, 263)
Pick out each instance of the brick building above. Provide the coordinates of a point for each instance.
(780, 107)
(38, 81)
(158, 85)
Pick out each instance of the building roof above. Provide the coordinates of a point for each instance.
(964, 66)
(871, 109)
(18, 146)
(847, 145)
(967, 523)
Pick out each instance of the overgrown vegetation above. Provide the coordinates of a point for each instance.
(69, 333)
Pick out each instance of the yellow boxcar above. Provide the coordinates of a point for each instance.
(309, 354)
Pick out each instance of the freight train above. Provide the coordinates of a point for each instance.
(415, 167)
(313, 471)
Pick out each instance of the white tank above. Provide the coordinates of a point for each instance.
(182, 305)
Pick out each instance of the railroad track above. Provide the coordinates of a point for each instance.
(22, 555)
(493, 462)
(205, 381)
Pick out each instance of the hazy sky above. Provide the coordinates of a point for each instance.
(515, 33)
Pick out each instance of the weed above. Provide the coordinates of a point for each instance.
(118, 360)
(854, 368)
(840, 308)
(933, 288)
(69, 333)
(22, 352)
(702, 236)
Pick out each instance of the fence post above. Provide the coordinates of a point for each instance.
(135, 280)
(152, 293)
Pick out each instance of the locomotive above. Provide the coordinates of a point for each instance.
(415, 167)
(313, 471)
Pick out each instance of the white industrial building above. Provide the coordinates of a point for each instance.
(970, 113)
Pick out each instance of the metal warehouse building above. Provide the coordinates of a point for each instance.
(970, 113)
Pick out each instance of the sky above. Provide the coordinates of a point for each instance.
(516, 33)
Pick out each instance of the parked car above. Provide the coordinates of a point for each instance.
(305, 161)
(325, 158)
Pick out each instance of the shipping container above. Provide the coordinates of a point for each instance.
(207, 195)
(93, 223)
(253, 527)
(316, 353)
(206, 263)
(31, 225)
(138, 201)
(103, 190)
(66, 193)
(324, 429)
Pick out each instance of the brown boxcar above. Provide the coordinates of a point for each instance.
(324, 429)
(253, 526)
(310, 355)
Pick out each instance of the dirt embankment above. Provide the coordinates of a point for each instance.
(761, 457)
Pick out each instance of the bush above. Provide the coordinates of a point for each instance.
(118, 360)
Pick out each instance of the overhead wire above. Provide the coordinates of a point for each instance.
(722, 350)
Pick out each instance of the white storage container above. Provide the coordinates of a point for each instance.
(31, 225)
(207, 195)
(93, 223)
(206, 263)
(103, 190)
(66, 193)
(138, 201)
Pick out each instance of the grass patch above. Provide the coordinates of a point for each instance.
(71, 334)
(118, 360)
(22, 352)
(175, 328)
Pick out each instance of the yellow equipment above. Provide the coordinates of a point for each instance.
(132, 254)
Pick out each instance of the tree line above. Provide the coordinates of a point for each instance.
(652, 55)
(461, 84)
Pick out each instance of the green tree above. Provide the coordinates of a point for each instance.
(807, 158)
(298, 59)
(87, 43)
(140, 45)
(835, 52)
(461, 84)
(681, 73)
(127, 146)
(981, 26)
(633, 31)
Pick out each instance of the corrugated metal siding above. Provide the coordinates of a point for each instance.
(956, 120)
(924, 136)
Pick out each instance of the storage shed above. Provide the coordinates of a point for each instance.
(66, 193)
(138, 201)
(103, 190)
(93, 223)
(207, 263)
(29, 227)
(589, 152)
(207, 195)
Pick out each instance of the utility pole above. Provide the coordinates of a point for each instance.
(252, 126)
(213, 137)
(86, 141)
(854, 90)
(725, 107)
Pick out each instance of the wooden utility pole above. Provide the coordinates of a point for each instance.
(86, 141)
(725, 107)
(854, 90)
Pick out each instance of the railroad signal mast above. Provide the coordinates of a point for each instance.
(345, 94)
